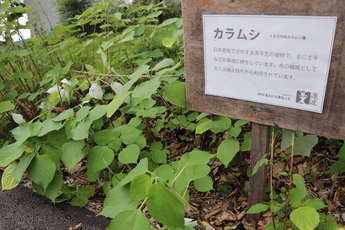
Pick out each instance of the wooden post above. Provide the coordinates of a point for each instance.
(258, 182)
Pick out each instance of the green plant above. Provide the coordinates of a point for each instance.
(291, 206)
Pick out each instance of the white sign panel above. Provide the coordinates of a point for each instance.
(277, 60)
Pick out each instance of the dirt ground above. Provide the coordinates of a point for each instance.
(21, 208)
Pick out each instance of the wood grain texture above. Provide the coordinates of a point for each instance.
(330, 123)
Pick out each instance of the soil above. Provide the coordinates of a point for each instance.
(21, 208)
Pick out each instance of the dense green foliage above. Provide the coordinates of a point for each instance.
(108, 105)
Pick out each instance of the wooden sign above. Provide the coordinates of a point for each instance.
(268, 62)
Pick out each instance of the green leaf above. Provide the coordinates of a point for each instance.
(195, 157)
(315, 203)
(129, 134)
(202, 126)
(219, 124)
(42, 170)
(116, 103)
(72, 153)
(341, 152)
(104, 137)
(100, 157)
(159, 157)
(79, 201)
(97, 112)
(164, 63)
(175, 93)
(82, 113)
(165, 172)
(305, 218)
(134, 77)
(129, 37)
(54, 188)
(140, 186)
(169, 42)
(298, 180)
(194, 172)
(81, 131)
(8, 180)
(129, 154)
(296, 196)
(141, 168)
(6, 106)
(257, 208)
(130, 219)
(147, 88)
(304, 144)
(49, 125)
(9, 153)
(117, 201)
(64, 115)
(337, 167)
(247, 143)
(227, 150)
(23, 165)
(164, 206)
(286, 138)
(203, 184)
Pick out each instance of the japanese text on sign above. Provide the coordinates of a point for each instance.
(269, 59)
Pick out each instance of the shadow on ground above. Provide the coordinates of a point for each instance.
(21, 208)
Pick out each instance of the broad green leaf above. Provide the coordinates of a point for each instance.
(116, 103)
(175, 93)
(130, 219)
(164, 63)
(139, 169)
(9, 153)
(219, 124)
(82, 113)
(72, 153)
(42, 170)
(203, 184)
(257, 208)
(6, 106)
(147, 88)
(8, 180)
(56, 139)
(81, 131)
(64, 115)
(49, 125)
(140, 186)
(164, 206)
(337, 167)
(298, 180)
(104, 137)
(341, 152)
(247, 143)
(227, 150)
(54, 188)
(168, 22)
(129, 154)
(304, 144)
(286, 138)
(24, 131)
(86, 191)
(165, 172)
(195, 157)
(169, 42)
(129, 37)
(305, 218)
(134, 77)
(129, 134)
(79, 201)
(117, 201)
(97, 112)
(159, 157)
(296, 196)
(100, 157)
(315, 203)
(193, 172)
(202, 125)
(23, 165)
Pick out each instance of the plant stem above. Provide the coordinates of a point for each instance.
(290, 179)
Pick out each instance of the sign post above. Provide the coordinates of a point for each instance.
(268, 62)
